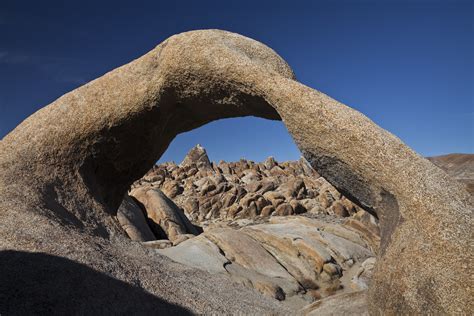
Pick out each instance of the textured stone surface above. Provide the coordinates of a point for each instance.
(247, 252)
(293, 259)
(198, 252)
(133, 221)
(164, 213)
(243, 189)
(343, 304)
(197, 156)
(363, 276)
(65, 169)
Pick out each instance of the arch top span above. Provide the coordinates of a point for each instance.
(88, 146)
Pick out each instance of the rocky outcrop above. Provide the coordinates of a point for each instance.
(325, 245)
(164, 214)
(294, 259)
(354, 303)
(64, 172)
(245, 189)
(133, 221)
(197, 158)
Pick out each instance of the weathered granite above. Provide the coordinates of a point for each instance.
(133, 221)
(65, 169)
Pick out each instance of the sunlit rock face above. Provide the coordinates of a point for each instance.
(245, 189)
(64, 172)
(322, 245)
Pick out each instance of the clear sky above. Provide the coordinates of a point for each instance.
(407, 65)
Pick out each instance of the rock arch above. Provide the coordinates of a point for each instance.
(68, 165)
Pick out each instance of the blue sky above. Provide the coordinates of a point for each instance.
(407, 65)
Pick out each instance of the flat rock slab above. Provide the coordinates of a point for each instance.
(341, 305)
(246, 251)
(293, 260)
(198, 252)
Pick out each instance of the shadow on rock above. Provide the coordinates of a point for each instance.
(37, 283)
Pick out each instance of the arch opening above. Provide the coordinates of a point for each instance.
(203, 212)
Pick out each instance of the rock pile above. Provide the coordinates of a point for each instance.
(227, 191)
(279, 228)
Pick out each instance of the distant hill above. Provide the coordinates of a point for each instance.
(460, 166)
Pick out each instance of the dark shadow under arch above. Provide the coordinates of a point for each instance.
(40, 283)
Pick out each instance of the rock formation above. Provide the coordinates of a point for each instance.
(244, 189)
(65, 170)
(459, 166)
(163, 213)
(294, 259)
(325, 245)
(133, 221)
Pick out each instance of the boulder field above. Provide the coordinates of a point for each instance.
(225, 219)
(65, 170)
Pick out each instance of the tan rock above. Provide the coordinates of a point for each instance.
(267, 185)
(191, 205)
(253, 186)
(171, 189)
(157, 244)
(298, 208)
(361, 280)
(276, 288)
(234, 210)
(314, 251)
(249, 198)
(197, 156)
(85, 149)
(269, 289)
(332, 269)
(303, 246)
(312, 206)
(343, 304)
(133, 221)
(338, 209)
(325, 199)
(229, 198)
(277, 171)
(224, 167)
(267, 210)
(273, 239)
(284, 209)
(250, 176)
(180, 238)
(269, 163)
(164, 212)
(260, 203)
(369, 233)
(274, 197)
(198, 252)
(242, 249)
(292, 188)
